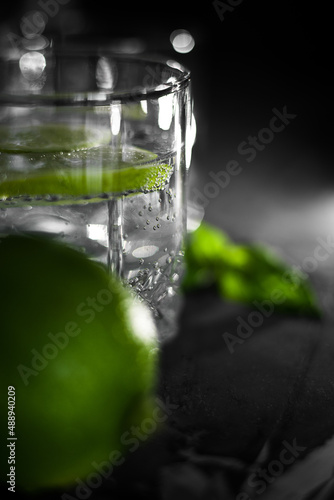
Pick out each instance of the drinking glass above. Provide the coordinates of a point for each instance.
(94, 152)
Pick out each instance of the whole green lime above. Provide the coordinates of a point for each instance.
(79, 359)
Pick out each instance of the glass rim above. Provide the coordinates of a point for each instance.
(103, 97)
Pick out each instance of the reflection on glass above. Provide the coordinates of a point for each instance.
(32, 65)
(182, 41)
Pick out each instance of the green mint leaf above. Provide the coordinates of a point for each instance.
(245, 273)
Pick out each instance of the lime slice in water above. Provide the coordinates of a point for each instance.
(89, 173)
(72, 163)
(80, 182)
(50, 137)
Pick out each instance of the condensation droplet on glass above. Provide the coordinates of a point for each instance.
(147, 222)
(140, 213)
(141, 261)
(158, 226)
